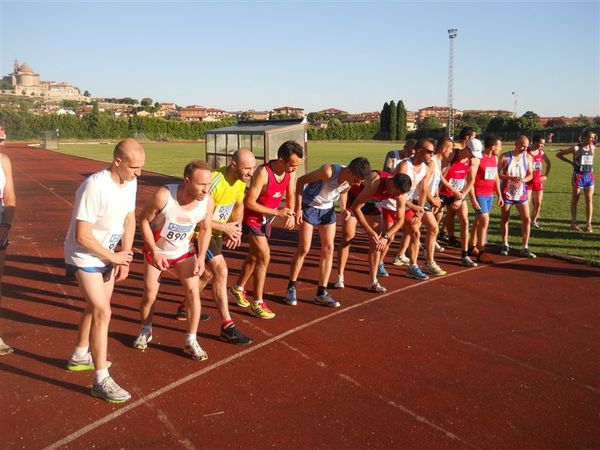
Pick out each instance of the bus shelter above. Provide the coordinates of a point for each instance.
(262, 137)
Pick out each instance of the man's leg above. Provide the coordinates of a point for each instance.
(327, 235)
(261, 252)
(575, 191)
(151, 287)
(304, 243)
(589, 207)
(537, 197)
(375, 221)
(523, 210)
(348, 233)
(504, 219)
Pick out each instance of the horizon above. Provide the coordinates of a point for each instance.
(350, 56)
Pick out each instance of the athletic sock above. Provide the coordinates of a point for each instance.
(227, 323)
(237, 287)
(465, 253)
(189, 338)
(257, 302)
(101, 375)
(321, 290)
(80, 352)
(291, 284)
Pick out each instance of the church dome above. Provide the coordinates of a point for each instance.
(25, 68)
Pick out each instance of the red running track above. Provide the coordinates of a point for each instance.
(500, 356)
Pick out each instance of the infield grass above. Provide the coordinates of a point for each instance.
(555, 234)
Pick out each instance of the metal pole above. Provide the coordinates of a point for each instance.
(451, 35)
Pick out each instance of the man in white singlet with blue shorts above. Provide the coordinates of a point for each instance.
(104, 215)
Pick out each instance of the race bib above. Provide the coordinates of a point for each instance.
(176, 232)
(536, 166)
(222, 213)
(111, 240)
(587, 160)
(490, 173)
(514, 190)
(457, 184)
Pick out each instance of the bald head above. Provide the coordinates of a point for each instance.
(128, 149)
(243, 163)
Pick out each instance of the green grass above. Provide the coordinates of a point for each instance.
(555, 235)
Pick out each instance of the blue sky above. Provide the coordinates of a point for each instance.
(349, 55)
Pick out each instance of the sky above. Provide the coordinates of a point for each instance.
(348, 55)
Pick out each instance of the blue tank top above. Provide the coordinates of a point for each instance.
(322, 193)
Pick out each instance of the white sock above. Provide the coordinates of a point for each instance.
(257, 302)
(190, 338)
(239, 288)
(80, 352)
(101, 375)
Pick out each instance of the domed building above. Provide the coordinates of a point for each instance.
(24, 81)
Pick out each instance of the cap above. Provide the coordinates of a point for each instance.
(476, 147)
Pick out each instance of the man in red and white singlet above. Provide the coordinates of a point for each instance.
(539, 161)
(167, 223)
(270, 183)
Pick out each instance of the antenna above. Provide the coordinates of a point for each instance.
(452, 35)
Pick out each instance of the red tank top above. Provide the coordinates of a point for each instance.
(381, 193)
(485, 179)
(456, 176)
(270, 197)
(536, 166)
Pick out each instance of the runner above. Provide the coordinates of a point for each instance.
(269, 184)
(394, 157)
(482, 195)
(7, 210)
(447, 233)
(457, 182)
(583, 177)
(104, 215)
(167, 223)
(515, 171)
(380, 185)
(315, 194)
(539, 160)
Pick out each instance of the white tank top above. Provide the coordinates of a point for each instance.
(436, 177)
(173, 227)
(416, 179)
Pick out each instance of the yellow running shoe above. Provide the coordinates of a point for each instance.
(239, 297)
(262, 311)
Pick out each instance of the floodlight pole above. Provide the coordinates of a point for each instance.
(452, 35)
(515, 101)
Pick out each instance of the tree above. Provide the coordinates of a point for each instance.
(384, 122)
(393, 121)
(430, 123)
(87, 94)
(530, 121)
(401, 132)
(147, 101)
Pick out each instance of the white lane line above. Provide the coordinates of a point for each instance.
(526, 365)
(175, 384)
(35, 180)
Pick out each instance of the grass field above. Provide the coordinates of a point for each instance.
(554, 236)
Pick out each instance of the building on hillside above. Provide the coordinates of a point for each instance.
(411, 120)
(488, 112)
(547, 120)
(290, 111)
(193, 113)
(24, 81)
(439, 112)
(167, 107)
(364, 117)
(333, 112)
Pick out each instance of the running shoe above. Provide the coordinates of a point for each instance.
(233, 335)
(261, 311)
(339, 284)
(527, 253)
(5, 349)
(181, 313)
(376, 287)
(110, 391)
(239, 297)
(290, 296)
(195, 351)
(504, 250)
(483, 258)
(467, 261)
(415, 272)
(535, 225)
(401, 260)
(453, 242)
(85, 363)
(143, 339)
(588, 228)
(432, 268)
(326, 300)
(438, 247)
(576, 227)
(381, 272)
